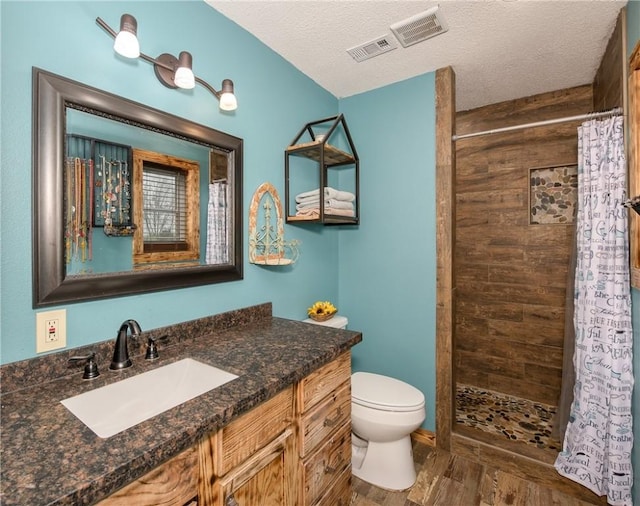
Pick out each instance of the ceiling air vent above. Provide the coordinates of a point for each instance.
(373, 48)
(420, 27)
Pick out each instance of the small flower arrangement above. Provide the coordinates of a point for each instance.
(322, 311)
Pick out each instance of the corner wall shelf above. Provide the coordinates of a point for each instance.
(339, 206)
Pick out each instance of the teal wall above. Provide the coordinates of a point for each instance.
(387, 272)
(275, 101)
(381, 274)
(633, 36)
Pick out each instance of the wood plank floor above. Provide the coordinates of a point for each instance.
(450, 480)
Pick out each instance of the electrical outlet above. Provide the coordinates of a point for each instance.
(51, 330)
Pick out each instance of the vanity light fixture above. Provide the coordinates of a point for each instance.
(171, 71)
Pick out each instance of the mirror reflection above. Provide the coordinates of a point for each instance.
(128, 199)
(141, 199)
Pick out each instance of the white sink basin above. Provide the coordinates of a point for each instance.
(119, 406)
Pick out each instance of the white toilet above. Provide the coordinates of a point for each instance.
(384, 413)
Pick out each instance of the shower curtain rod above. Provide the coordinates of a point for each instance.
(592, 115)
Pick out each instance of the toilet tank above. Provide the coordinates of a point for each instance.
(337, 322)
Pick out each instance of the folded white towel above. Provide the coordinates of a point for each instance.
(336, 204)
(313, 194)
(314, 212)
(329, 193)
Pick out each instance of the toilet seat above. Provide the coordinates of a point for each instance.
(384, 393)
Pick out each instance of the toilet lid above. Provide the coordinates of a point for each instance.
(384, 393)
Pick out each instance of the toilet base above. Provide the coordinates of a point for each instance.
(386, 465)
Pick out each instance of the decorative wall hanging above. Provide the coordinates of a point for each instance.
(106, 180)
(97, 182)
(553, 195)
(266, 243)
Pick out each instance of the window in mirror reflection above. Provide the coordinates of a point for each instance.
(164, 209)
(166, 205)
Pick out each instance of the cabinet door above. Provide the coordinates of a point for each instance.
(321, 471)
(236, 442)
(265, 479)
(316, 386)
(340, 493)
(320, 422)
(174, 482)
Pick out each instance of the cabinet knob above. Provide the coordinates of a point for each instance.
(328, 422)
(231, 501)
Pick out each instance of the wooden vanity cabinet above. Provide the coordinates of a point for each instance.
(292, 450)
(264, 479)
(251, 461)
(323, 409)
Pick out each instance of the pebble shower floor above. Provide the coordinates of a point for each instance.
(506, 416)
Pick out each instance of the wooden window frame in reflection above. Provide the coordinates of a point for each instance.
(182, 254)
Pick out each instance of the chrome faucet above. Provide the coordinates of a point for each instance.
(121, 358)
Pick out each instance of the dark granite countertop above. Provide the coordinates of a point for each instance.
(49, 457)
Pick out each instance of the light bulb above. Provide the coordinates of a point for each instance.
(184, 77)
(228, 101)
(126, 43)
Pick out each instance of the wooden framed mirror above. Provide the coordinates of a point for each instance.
(54, 282)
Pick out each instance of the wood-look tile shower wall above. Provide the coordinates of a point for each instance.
(510, 275)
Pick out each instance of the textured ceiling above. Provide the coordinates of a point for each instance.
(499, 49)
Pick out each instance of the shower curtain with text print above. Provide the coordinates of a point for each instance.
(598, 441)
(218, 224)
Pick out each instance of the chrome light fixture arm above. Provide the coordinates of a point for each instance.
(206, 85)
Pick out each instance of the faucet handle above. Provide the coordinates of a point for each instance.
(91, 368)
(152, 348)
